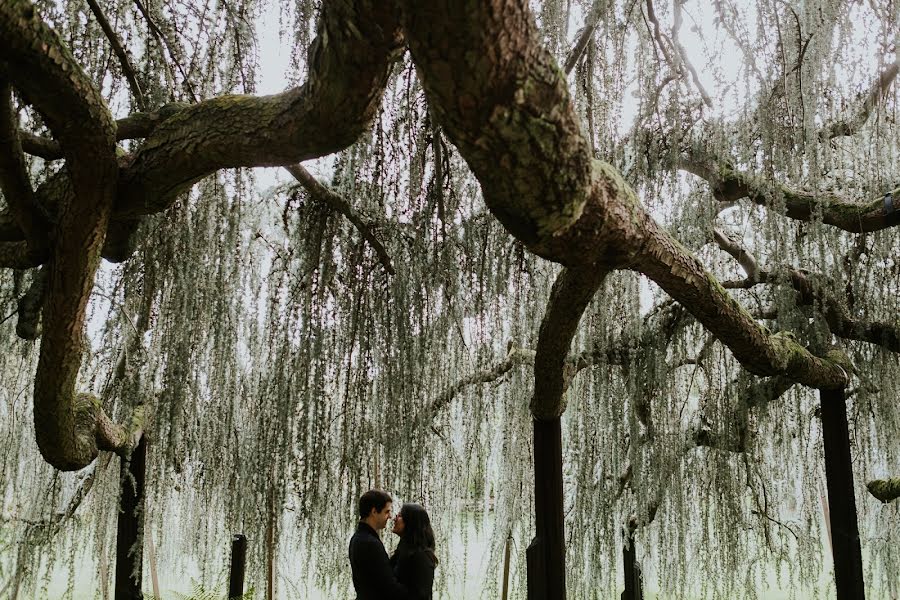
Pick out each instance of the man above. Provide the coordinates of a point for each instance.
(373, 577)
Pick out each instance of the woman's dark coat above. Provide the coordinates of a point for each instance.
(414, 569)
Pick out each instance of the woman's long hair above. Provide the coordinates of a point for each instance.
(417, 533)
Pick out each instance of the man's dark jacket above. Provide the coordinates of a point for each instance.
(373, 576)
(414, 569)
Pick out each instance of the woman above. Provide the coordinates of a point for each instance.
(414, 560)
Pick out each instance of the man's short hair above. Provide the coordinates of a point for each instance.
(376, 499)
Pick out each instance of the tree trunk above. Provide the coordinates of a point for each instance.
(129, 546)
(848, 573)
(546, 555)
(634, 589)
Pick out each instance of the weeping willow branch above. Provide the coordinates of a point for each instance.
(876, 94)
(127, 69)
(681, 53)
(515, 357)
(164, 44)
(729, 184)
(323, 194)
(886, 490)
(812, 290)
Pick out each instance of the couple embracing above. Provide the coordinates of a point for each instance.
(409, 573)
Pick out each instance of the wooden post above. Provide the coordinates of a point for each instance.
(151, 558)
(506, 567)
(634, 589)
(848, 573)
(546, 555)
(238, 565)
(129, 548)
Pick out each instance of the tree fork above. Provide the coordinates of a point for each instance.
(129, 533)
(848, 572)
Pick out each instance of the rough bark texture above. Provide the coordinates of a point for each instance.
(349, 66)
(503, 102)
(47, 75)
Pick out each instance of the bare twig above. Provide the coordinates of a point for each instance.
(683, 57)
(127, 69)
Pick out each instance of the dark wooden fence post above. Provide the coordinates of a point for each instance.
(129, 539)
(546, 555)
(238, 565)
(845, 547)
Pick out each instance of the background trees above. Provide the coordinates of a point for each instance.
(286, 348)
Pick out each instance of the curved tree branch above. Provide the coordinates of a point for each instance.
(738, 252)
(571, 293)
(729, 184)
(349, 65)
(504, 103)
(68, 432)
(14, 179)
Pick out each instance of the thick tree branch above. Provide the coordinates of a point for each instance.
(729, 184)
(324, 194)
(14, 179)
(876, 93)
(571, 293)
(349, 65)
(501, 99)
(886, 490)
(69, 432)
(137, 125)
(127, 69)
